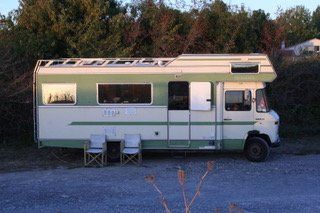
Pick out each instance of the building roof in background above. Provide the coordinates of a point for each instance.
(299, 48)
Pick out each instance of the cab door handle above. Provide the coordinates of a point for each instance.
(227, 119)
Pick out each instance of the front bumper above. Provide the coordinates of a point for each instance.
(275, 144)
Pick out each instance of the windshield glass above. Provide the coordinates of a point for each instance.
(262, 103)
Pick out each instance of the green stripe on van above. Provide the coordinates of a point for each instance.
(228, 144)
(238, 123)
(83, 123)
(145, 123)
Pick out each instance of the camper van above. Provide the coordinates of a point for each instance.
(212, 102)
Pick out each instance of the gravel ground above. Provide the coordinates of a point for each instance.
(285, 183)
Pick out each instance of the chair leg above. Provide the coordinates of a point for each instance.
(140, 158)
(135, 158)
(105, 159)
(94, 158)
(86, 159)
(124, 159)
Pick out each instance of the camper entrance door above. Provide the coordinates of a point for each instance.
(189, 113)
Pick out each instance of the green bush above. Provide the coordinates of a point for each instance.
(295, 95)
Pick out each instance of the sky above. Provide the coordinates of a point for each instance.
(7, 5)
(269, 6)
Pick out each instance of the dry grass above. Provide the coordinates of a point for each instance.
(181, 175)
(14, 158)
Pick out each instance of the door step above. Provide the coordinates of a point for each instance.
(207, 147)
(213, 145)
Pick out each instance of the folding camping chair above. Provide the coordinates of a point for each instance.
(131, 149)
(95, 149)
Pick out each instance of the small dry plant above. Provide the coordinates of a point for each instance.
(182, 180)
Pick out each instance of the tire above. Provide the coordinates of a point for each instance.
(256, 149)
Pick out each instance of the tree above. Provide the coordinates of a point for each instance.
(297, 25)
(77, 27)
(158, 29)
(316, 21)
(271, 38)
(258, 21)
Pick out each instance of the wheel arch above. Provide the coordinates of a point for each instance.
(256, 133)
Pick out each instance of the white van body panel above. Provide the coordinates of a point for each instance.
(206, 124)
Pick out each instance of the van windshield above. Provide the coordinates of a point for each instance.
(262, 102)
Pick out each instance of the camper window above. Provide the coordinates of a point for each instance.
(244, 67)
(261, 103)
(124, 94)
(237, 101)
(178, 97)
(63, 93)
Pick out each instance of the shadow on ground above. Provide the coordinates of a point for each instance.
(13, 158)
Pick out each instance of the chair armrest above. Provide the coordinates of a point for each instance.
(86, 145)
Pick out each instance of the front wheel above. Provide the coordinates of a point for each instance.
(256, 149)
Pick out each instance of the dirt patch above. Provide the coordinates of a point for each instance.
(32, 158)
(299, 146)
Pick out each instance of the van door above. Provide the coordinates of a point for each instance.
(237, 117)
(178, 114)
(202, 116)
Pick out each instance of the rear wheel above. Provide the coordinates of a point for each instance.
(257, 149)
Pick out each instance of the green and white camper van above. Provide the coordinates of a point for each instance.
(192, 102)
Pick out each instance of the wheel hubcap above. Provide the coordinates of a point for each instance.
(255, 150)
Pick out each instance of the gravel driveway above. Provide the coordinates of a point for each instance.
(285, 183)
